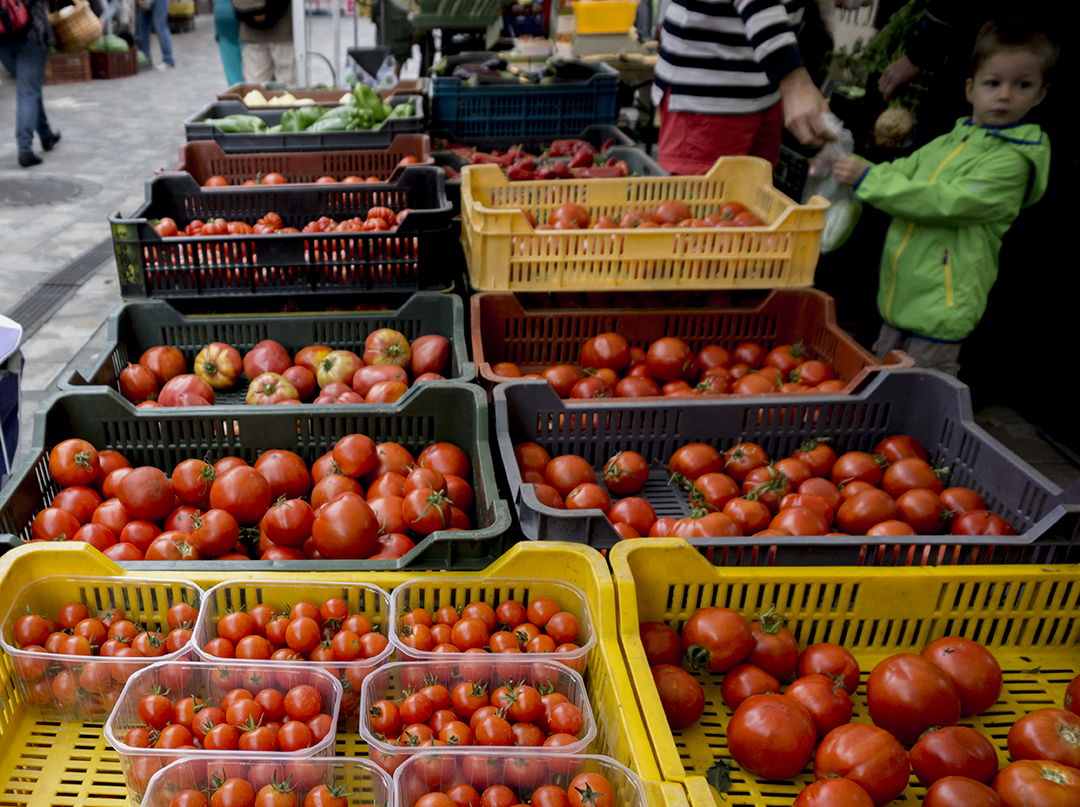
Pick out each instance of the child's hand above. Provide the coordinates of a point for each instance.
(848, 169)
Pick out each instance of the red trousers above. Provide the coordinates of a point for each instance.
(690, 142)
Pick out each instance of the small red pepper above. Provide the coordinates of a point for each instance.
(607, 144)
(581, 159)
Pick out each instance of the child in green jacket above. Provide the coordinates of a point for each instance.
(954, 199)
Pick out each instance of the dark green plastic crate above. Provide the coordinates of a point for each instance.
(137, 326)
(450, 412)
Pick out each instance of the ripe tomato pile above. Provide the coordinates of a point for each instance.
(445, 781)
(892, 491)
(324, 633)
(672, 213)
(510, 627)
(121, 647)
(669, 367)
(484, 709)
(381, 219)
(277, 509)
(296, 783)
(383, 373)
(256, 710)
(274, 178)
(914, 700)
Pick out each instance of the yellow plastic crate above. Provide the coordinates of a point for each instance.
(1016, 611)
(604, 16)
(69, 764)
(505, 253)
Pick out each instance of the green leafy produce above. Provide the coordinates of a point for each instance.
(883, 48)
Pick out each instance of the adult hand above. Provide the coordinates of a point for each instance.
(847, 170)
(803, 105)
(899, 72)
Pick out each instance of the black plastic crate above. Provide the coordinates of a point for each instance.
(165, 437)
(930, 406)
(242, 142)
(409, 258)
(139, 325)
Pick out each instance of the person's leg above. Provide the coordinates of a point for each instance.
(160, 15)
(142, 20)
(231, 59)
(931, 355)
(33, 59)
(284, 58)
(769, 131)
(889, 338)
(258, 66)
(28, 68)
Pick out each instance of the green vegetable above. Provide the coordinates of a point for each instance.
(406, 110)
(337, 124)
(883, 48)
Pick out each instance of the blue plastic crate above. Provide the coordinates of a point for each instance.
(517, 110)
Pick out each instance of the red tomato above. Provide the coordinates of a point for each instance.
(953, 751)
(1038, 783)
(775, 649)
(906, 694)
(911, 473)
(668, 358)
(981, 522)
(1072, 696)
(864, 510)
(146, 493)
(1047, 734)
(973, 669)
(716, 638)
(662, 645)
(681, 696)
(771, 736)
(626, 473)
(606, 350)
(570, 215)
(242, 492)
(867, 755)
(743, 458)
(895, 448)
(744, 680)
(695, 460)
(833, 793)
(827, 701)
(960, 790)
(857, 466)
(566, 472)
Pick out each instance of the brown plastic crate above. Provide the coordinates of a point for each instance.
(504, 330)
(405, 86)
(66, 68)
(113, 64)
(205, 158)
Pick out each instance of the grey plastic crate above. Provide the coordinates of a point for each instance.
(928, 405)
(164, 437)
(137, 326)
(241, 142)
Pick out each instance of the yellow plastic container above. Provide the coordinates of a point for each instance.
(1021, 613)
(604, 16)
(44, 764)
(505, 253)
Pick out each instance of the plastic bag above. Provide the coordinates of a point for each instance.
(844, 206)
(385, 77)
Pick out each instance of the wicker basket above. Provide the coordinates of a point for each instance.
(77, 29)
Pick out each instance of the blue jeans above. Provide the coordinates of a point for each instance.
(158, 18)
(26, 61)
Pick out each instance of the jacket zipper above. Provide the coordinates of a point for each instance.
(907, 237)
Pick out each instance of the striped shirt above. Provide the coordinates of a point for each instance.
(725, 57)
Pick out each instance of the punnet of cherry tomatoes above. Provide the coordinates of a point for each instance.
(611, 368)
(789, 708)
(891, 490)
(498, 618)
(71, 659)
(221, 711)
(481, 702)
(359, 500)
(340, 627)
(457, 777)
(267, 780)
(383, 370)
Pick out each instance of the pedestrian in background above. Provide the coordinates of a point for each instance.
(227, 34)
(266, 31)
(155, 14)
(24, 52)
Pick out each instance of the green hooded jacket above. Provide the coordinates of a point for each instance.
(951, 203)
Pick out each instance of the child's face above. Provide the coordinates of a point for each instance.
(1005, 87)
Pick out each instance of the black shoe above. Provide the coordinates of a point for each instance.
(26, 160)
(52, 141)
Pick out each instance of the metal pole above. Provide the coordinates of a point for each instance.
(335, 17)
(299, 19)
